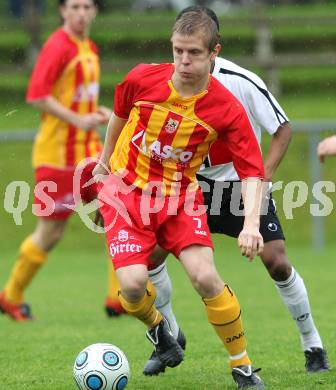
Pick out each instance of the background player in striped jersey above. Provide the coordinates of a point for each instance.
(64, 86)
(165, 118)
(219, 174)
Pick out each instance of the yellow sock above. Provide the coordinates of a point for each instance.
(29, 261)
(113, 283)
(224, 314)
(144, 309)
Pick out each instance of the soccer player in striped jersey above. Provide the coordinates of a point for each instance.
(64, 86)
(165, 118)
(220, 179)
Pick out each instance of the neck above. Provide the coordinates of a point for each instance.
(82, 35)
(188, 89)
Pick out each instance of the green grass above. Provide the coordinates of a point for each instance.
(68, 294)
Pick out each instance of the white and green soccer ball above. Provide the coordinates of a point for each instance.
(101, 367)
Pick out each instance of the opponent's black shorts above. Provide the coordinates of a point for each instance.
(225, 210)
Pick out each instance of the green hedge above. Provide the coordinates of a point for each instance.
(148, 34)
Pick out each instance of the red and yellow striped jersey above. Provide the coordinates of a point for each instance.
(67, 69)
(167, 137)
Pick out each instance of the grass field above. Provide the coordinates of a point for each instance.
(67, 298)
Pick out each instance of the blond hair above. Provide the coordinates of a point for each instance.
(195, 22)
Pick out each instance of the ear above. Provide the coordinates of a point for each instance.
(61, 9)
(215, 52)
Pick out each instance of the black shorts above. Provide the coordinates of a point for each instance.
(225, 210)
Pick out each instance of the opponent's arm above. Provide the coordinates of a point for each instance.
(278, 147)
(52, 106)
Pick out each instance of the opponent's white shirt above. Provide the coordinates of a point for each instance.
(261, 107)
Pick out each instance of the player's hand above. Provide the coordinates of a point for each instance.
(327, 147)
(90, 121)
(100, 172)
(250, 242)
(105, 113)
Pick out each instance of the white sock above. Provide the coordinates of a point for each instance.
(161, 281)
(294, 295)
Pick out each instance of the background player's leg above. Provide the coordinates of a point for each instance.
(293, 292)
(32, 255)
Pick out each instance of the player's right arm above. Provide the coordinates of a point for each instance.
(124, 96)
(113, 131)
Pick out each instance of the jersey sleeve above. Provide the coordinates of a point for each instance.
(242, 144)
(48, 68)
(126, 93)
(263, 106)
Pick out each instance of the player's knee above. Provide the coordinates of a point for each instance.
(277, 263)
(207, 283)
(133, 288)
(132, 292)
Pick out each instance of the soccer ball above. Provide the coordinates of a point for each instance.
(101, 367)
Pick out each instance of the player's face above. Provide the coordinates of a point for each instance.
(78, 15)
(192, 57)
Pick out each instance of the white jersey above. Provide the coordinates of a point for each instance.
(261, 107)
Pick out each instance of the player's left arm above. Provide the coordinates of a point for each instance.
(250, 240)
(247, 160)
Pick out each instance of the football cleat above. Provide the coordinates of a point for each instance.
(166, 346)
(113, 308)
(18, 313)
(245, 378)
(154, 366)
(316, 360)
